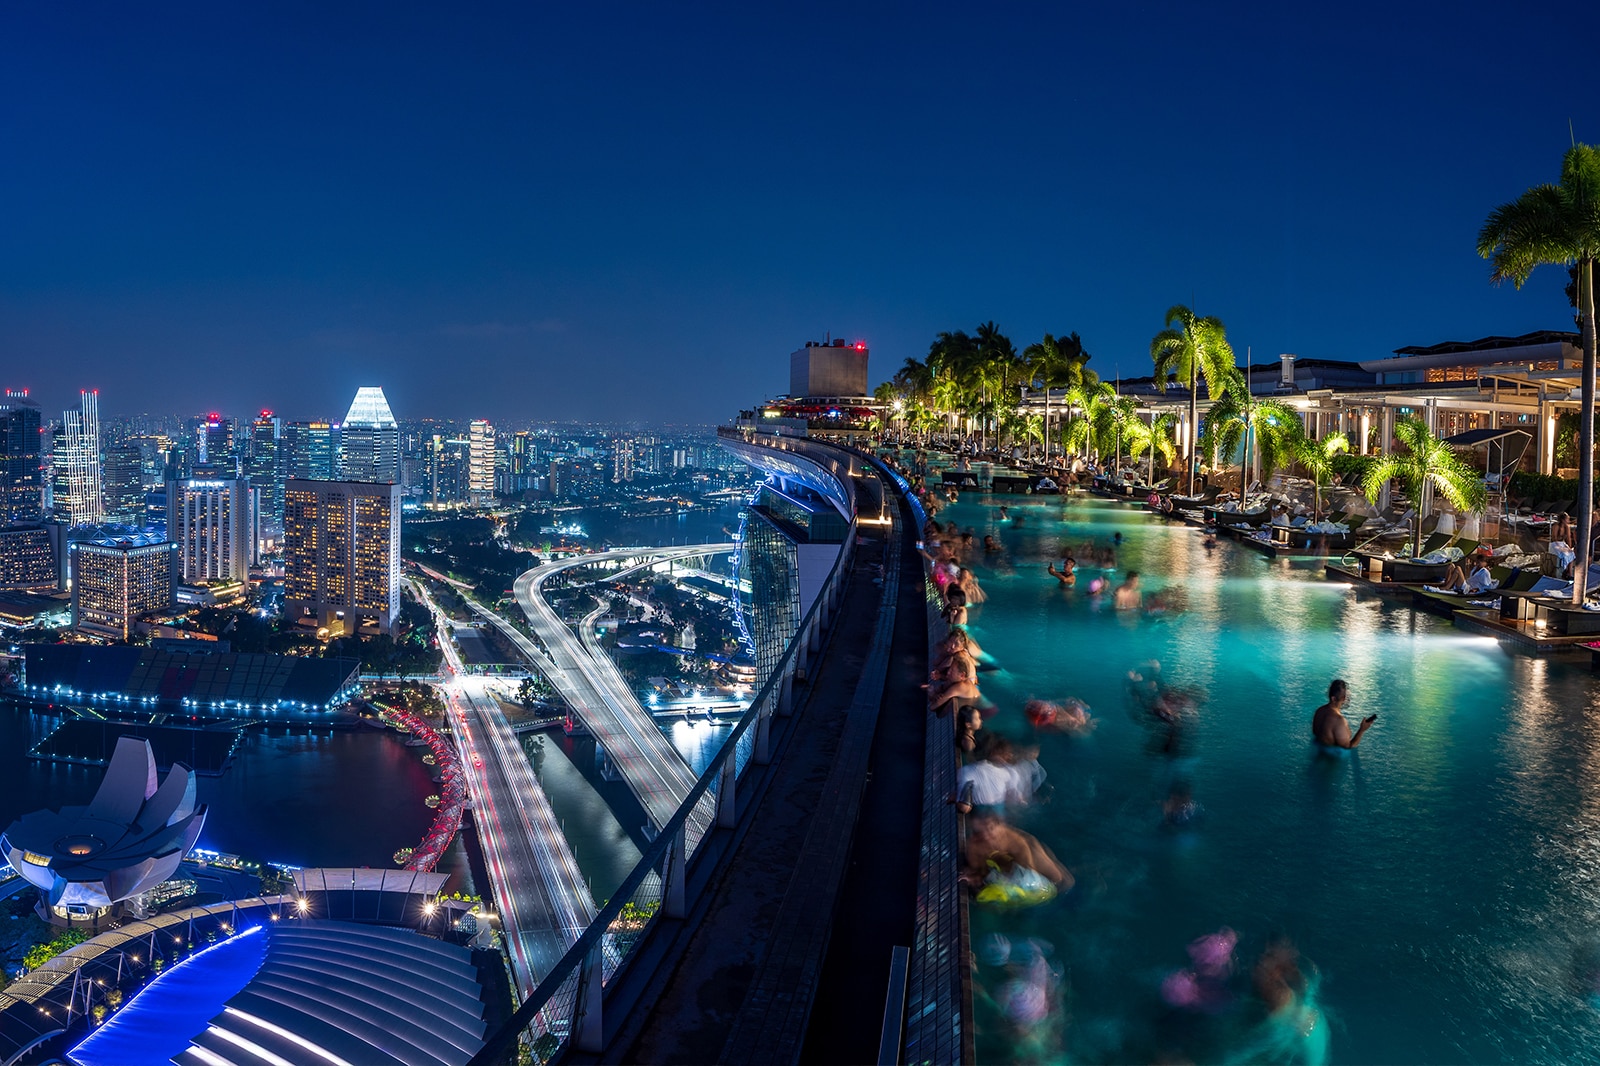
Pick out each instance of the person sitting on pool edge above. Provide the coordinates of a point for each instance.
(1329, 727)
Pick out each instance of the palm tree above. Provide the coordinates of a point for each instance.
(1189, 349)
(1267, 426)
(1560, 224)
(1316, 456)
(1428, 464)
(1090, 433)
(1156, 436)
(1055, 363)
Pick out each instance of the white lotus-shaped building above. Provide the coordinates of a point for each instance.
(129, 839)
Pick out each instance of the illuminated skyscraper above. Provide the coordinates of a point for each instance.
(28, 558)
(215, 437)
(622, 459)
(265, 469)
(115, 581)
(480, 462)
(79, 496)
(311, 450)
(21, 490)
(123, 473)
(369, 439)
(341, 554)
(210, 519)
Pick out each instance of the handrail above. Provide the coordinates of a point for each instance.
(650, 861)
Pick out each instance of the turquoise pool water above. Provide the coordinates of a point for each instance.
(1442, 883)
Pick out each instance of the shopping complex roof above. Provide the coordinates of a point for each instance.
(221, 680)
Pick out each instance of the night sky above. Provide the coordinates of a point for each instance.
(607, 211)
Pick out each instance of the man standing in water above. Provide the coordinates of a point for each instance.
(1329, 727)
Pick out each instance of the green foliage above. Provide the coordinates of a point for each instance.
(1426, 463)
(1352, 469)
(1526, 485)
(1272, 427)
(40, 954)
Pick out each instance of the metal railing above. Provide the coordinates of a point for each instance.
(566, 1007)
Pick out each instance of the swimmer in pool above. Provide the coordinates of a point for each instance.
(1329, 726)
(1065, 575)
(1128, 596)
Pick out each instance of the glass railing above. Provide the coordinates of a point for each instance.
(566, 1008)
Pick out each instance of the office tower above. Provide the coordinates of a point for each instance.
(78, 496)
(116, 580)
(21, 488)
(264, 468)
(310, 450)
(560, 478)
(211, 521)
(215, 437)
(341, 555)
(480, 462)
(28, 557)
(369, 439)
(123, 474)
(622, 459)
(449, 470)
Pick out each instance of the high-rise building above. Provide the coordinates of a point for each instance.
(369, 439)
(449, 464)
(78, 495)
(28, 556)
(215, 438)
(123, 474)
(622, 459)
(264, 468)
(117, 580)
(311, 451)
(341, 554)
(210, 520)
(480, 462)
(21, 489)
(560, 477)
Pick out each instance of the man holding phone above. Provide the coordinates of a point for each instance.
(1329, 727)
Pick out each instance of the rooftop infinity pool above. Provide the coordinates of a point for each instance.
(1439, 883)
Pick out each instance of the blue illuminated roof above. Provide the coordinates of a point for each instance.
(158, 1023)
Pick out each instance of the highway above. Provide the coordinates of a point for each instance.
(542, 899)
(587, 678)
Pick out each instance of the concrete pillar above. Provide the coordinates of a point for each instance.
(587, 1029)
(786, 693)
(674, 895)
(728, 794)
(762, 753)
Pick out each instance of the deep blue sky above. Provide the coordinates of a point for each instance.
(637, 211)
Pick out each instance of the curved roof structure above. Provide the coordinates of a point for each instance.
(130, 838)
(302, 992)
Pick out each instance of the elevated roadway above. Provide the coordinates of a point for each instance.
(543, 901)
(589, 681)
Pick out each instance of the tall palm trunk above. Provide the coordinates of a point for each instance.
(1194, 421)
(1580, 568)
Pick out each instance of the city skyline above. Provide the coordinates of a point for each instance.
(513, 212)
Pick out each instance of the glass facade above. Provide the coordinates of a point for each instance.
(769, 568)
(21, 493)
